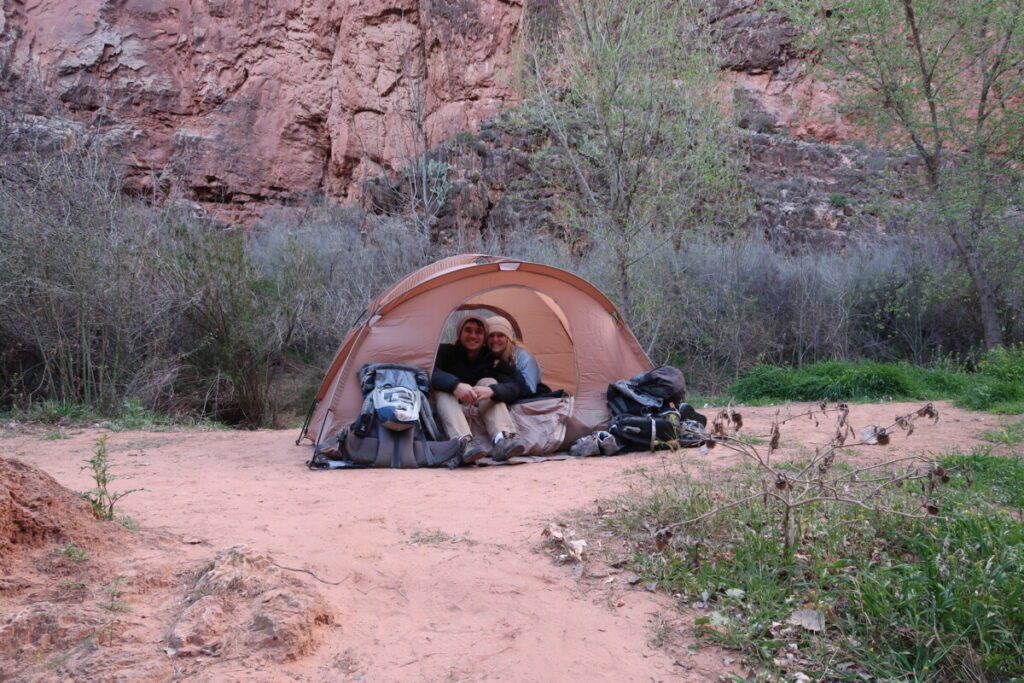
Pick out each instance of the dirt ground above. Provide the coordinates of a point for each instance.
(440, 575)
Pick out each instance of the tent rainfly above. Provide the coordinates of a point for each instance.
(574, 331)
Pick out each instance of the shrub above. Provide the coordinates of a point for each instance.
(106, 300)
(1005, 363)
(838, 200)
(87, 317)
(993, 394)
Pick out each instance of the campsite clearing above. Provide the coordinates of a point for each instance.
(420, 575)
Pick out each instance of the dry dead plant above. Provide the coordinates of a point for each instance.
(818, 481)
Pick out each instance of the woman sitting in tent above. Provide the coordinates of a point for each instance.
(501, 341)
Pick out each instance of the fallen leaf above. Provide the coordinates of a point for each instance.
(809, 619)
(662, 538)
(718, 619)
(872, 435)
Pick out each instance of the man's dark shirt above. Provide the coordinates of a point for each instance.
(453, 366)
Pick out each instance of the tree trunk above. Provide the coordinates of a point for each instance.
(986, 292)
(624, 289)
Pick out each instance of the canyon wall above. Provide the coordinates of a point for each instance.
(240, 105)
(253, 102)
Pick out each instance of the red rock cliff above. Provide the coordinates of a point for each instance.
(254, 102)
(249, 103)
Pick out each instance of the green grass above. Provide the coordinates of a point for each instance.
(931, 599)
(987, 479)
(73, 552)
(1010, 435)
(997, 386)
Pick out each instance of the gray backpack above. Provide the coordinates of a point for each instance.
(395, 427)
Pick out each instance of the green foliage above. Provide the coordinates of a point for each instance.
(954, 611)
(101, 498)
(900, 598)
(869, 381)
(130, 416)
(1004, 364)
(114, 591)
(74, 553)
(941, 80)
(838, 200)
(53, 411)
(827, 381)
(638, 151)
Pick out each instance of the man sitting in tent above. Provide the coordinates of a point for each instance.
(467, 373)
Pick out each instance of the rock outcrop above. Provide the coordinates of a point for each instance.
(805, 193)
(242, 601)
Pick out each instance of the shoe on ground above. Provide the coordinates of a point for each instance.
(473, 450)
(508, 448)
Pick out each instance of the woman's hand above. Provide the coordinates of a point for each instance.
(483, 393)
(465, 393)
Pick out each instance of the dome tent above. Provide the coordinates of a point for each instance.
(574, 331)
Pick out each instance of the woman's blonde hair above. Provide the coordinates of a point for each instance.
(509, 354)
(500, 324)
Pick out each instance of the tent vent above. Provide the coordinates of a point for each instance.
(509, 265)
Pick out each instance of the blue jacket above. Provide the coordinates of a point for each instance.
(529, 368)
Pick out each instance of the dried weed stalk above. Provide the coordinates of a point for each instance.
(819, 481)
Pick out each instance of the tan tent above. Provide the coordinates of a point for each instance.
(574, 331)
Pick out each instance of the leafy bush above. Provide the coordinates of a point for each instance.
(1004, 363)
(114, 308)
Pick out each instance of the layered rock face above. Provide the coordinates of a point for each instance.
(251, 103)
(240, 105)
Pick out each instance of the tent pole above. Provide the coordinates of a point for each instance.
(305, 425)
(316, 445)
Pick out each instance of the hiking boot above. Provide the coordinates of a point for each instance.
(473, 450)
(509, 447)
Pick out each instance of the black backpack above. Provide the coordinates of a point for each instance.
(679, 428)
(648, 393)
(395, 427)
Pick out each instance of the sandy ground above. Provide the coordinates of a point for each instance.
(444, 575)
